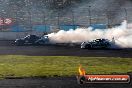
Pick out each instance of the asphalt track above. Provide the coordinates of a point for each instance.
(7, 48)
(57, 82)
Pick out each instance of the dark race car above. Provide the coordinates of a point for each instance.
(27, 40)
(97, 43)
(44, 40)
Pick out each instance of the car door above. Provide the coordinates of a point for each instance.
(96, 44)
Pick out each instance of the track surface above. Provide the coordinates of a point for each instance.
(63, 82)
(6, 48)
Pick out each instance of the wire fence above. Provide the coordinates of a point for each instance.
(45, 21)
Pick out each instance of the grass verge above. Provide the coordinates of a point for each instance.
(41, 66)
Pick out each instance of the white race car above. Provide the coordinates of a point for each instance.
(97, 43)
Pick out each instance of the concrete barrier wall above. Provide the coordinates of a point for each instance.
(14, 35)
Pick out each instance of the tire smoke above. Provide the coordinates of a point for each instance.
(122, 35)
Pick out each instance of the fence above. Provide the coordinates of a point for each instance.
(41, 21)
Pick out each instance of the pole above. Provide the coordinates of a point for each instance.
(29, 13)
(108, 19)
(125, 14)
(45, 23)
(73, 21)
(30, 20)
(58, 21)
(89, 15)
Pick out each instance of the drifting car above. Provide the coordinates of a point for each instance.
(32, 40)
(27, 40)
(97, 43)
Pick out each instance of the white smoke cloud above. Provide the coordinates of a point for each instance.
(122, 35)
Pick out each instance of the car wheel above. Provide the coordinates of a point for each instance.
(19, 43)
(39, 43)
(88, 46)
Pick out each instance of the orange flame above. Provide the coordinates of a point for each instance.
(81, 71)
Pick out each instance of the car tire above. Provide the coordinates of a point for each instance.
(19, 43)
(88, 46)
(39, 43)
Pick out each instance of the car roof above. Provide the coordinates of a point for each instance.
(101, 39)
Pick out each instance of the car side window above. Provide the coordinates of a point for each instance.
(27, 37)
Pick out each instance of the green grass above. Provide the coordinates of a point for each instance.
(32, 66)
